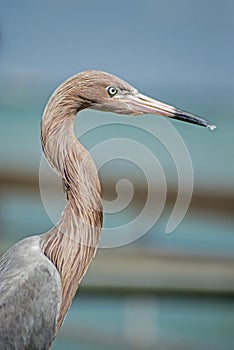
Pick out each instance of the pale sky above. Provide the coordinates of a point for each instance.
(143, 41)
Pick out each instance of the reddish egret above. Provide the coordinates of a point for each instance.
(39, 275)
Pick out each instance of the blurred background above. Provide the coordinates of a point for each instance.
(162, 291)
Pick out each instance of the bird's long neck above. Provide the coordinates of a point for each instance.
(72, 243)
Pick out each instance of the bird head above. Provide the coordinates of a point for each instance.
(106, 92)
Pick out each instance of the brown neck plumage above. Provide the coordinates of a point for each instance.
(72, 243)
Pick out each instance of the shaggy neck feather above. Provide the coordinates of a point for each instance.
(72, 243)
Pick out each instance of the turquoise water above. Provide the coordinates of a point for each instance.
(153, 322)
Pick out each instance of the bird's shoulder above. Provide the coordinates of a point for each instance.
(30, 297)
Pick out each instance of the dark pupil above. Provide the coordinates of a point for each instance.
(112, 91)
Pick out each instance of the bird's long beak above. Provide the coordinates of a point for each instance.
(142, 104)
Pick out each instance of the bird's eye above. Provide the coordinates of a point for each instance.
(112, 91)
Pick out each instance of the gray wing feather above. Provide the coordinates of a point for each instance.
(30, 297)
